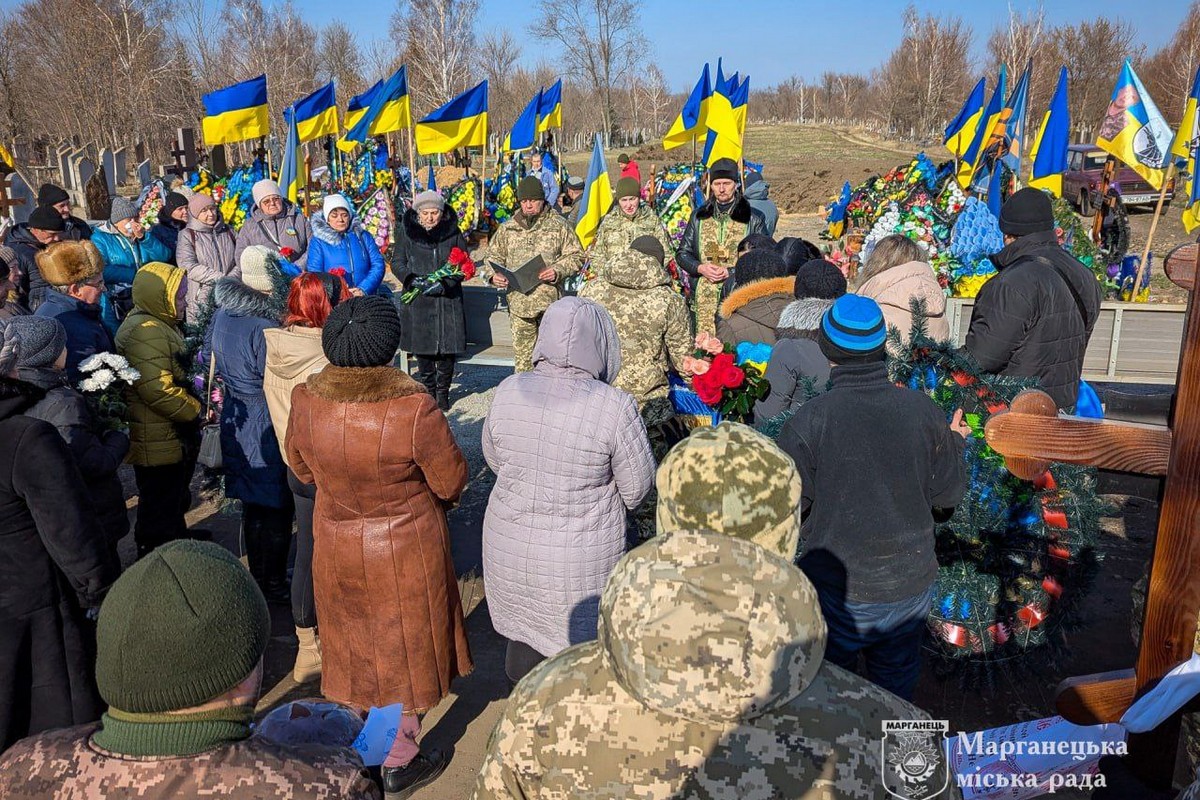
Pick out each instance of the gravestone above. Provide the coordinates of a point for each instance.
(77, 155)
(62, 160)
(109, 164)
(97, 200)
(121, 172)
(22, 198)
(139, 152)
(144, 175)
(85, 168)
(217, 161)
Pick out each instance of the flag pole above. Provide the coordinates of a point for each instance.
(412, 158)
(1142, 265)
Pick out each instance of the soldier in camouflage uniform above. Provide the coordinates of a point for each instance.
(706, 681)
(180, 641)
(628, 219)
(708, 249)
(536, 229)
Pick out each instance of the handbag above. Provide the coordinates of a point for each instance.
(210, 434)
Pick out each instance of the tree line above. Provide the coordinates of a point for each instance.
(115, 72)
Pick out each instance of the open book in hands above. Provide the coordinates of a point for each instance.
(524, 279)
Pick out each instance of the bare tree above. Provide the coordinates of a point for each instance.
(1016, 44)
(438, 38)
(1092, 53)
(927, 74)
(339, 60)
(657, 97)
(612, 31)
(381, 59)
(1169, 72)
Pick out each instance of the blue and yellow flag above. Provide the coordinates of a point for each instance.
(691, 121)
(1187, 145)
(354, 112)
(597, 197)
(236, 113)
(316, 115)
(717, 146)
(388, 109)
(1049, 154)
(550, 108)
(462, 122)
(720, 119)
(291, 174)
(524, 131)
(961, 129)
(973, 157)
(1134, 130)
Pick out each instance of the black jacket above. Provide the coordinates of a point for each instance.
(76, 230)
(688, 256)
(98, 454)
(26, 247)
(54, 563)
(1026, 322)
(429, 326)
(874, 460)
(86, 334)
(167, 232)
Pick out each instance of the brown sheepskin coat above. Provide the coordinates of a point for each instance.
(386, 467)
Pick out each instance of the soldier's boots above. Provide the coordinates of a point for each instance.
(400, 783)
(308, 656)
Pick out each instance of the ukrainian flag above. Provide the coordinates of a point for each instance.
(983, 133)
(291, 174)
(462, 122)
(524, 130)
(1010, 132)
(717, 146)
(1187, 145)
(1134, 130)
(388, 109)
(962, 128)
(236, 113)
(550, 108)
(316, 115)
(692, 119)
(720, 118)
(597, 197)
(1049, 154)
(354, 112)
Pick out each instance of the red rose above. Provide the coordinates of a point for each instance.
(458, 257)
(468, 270)
(706, 389)
(733, 377)
(287, 252)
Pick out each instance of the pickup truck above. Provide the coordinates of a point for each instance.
(1081, 181)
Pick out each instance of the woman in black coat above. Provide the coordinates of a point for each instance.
(433, 327)
(54, 565)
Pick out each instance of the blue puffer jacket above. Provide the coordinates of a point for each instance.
(355, 251)
(254, 468)
(85, 335)
(122, 260)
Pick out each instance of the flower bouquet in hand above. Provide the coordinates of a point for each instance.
(458, 266)
(106, 375)
(729, 380)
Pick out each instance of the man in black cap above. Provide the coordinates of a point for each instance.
(1035, 317)
(57, 198)
(572, 200)
(45, 227)
(709, 246)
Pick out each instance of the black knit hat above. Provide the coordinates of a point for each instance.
(183, 625)
(45, 218)
(362, 332)
(1027, 211)
(819, 279)
(758, 264)
(173, 201)
(650, 246)
(853, 331)
(622, 159)
(755, 241)
(797, 252)
(42, 339)
(49, 194)
(725, 168)
(530, 188)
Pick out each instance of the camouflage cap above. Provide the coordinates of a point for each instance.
(710, 628)
(731, 480)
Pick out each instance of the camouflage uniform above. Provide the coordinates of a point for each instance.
(518, 241)
(706, 681)
(65, 764)
(652, 322)
(618, 231)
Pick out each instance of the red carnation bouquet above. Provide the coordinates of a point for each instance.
(723, 380)
(458, 265)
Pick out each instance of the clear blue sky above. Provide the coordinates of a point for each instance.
(773, 39)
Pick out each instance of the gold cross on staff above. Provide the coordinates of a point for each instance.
(1031, 434)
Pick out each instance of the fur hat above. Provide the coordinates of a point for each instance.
(49, 194)
(45, 218)
(628, 187)
(428, 199)
(530, 188)
(333, 202)
(64, 263)
(257, 263)
(122, 208)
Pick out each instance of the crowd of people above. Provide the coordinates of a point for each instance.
(685, 613)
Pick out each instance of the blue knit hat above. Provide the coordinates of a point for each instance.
(853, 331)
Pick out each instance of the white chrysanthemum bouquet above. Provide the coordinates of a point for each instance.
(106, 375)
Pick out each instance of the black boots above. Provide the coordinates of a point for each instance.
(267, 541)
(436, 374)
(403, 782)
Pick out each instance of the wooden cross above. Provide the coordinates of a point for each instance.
(5, 202)
(184, 153)
(1031, 434)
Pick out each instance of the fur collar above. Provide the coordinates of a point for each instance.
(16, 396)
(446, 229)
(239, 300)
(362, 384)
(328, 235)
(755, 290)
(740, 213)
(802, 318)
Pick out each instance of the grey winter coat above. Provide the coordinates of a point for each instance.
(798, 369)
(570, 455)
(207, 253)
(288, 228)
(756, 193)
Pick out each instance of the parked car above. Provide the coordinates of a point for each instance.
(1085, 168)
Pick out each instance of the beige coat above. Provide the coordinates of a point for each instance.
(894, 289)
(293, 353)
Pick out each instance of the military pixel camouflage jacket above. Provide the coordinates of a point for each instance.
(519, 240)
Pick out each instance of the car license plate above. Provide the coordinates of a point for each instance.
(1135, 199)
